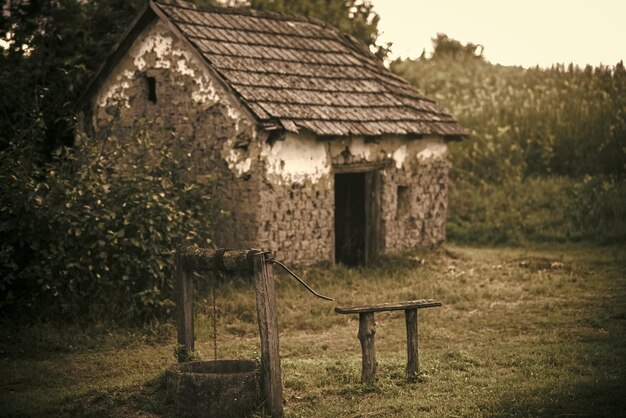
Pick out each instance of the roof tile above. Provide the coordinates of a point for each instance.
(305, 74)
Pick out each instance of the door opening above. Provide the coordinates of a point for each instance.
(350, 218)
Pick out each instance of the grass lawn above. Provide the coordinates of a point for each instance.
(538, 331)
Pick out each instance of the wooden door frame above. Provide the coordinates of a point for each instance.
(372, 194)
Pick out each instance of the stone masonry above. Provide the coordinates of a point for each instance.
(213, 139)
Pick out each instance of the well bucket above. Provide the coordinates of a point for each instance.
(220, 388)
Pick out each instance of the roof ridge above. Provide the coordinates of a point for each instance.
(244, 11)
(264, 32)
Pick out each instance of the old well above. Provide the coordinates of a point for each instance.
(223, 388)
(219, 388)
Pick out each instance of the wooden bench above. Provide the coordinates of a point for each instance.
(367, 330)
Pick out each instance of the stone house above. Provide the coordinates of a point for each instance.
(319, 153)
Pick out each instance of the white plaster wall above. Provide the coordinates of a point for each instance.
(432, 149)
(296, 159)
(398, 148)
(157, 48)
(302, 157)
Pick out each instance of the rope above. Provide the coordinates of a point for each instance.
(214, 323)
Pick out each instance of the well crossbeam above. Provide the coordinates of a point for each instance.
(202, 259)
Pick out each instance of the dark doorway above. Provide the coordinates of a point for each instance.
(350, 218)
(357, 215)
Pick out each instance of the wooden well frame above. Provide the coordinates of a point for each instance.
(255, 263)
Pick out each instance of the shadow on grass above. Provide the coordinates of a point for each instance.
(586, 378)
(148, 399)
(589, 398)
(145, 400)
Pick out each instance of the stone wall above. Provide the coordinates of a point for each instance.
(296, 201)
(297, 221)
(213, 139)
(297, 198)
(414, 205)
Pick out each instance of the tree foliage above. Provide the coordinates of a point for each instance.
(445, 47)
(77, 238)
(55, 46)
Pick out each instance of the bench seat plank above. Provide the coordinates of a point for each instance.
(392, 306)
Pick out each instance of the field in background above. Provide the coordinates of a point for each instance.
(546, 156)
(523, 332)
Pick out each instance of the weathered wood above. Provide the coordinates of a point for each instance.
(184, 308)
(271, 374)
(202, 259)
(372, 216)
(412, 353)
(193, 259)
(362, 167)
(367, 331)
(395, 306)
(367, 233)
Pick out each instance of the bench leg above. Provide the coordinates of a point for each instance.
(412, 365)
(367, 330)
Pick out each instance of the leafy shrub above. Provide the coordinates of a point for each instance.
(598, 209)
(91, 238)
(538, 209)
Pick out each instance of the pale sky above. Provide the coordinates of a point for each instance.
(513, 32)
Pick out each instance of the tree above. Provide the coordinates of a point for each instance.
(444, 46)
(50, 50)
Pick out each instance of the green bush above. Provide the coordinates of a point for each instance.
(89, 238)
(538, 209)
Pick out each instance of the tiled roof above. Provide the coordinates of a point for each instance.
(303, 74)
